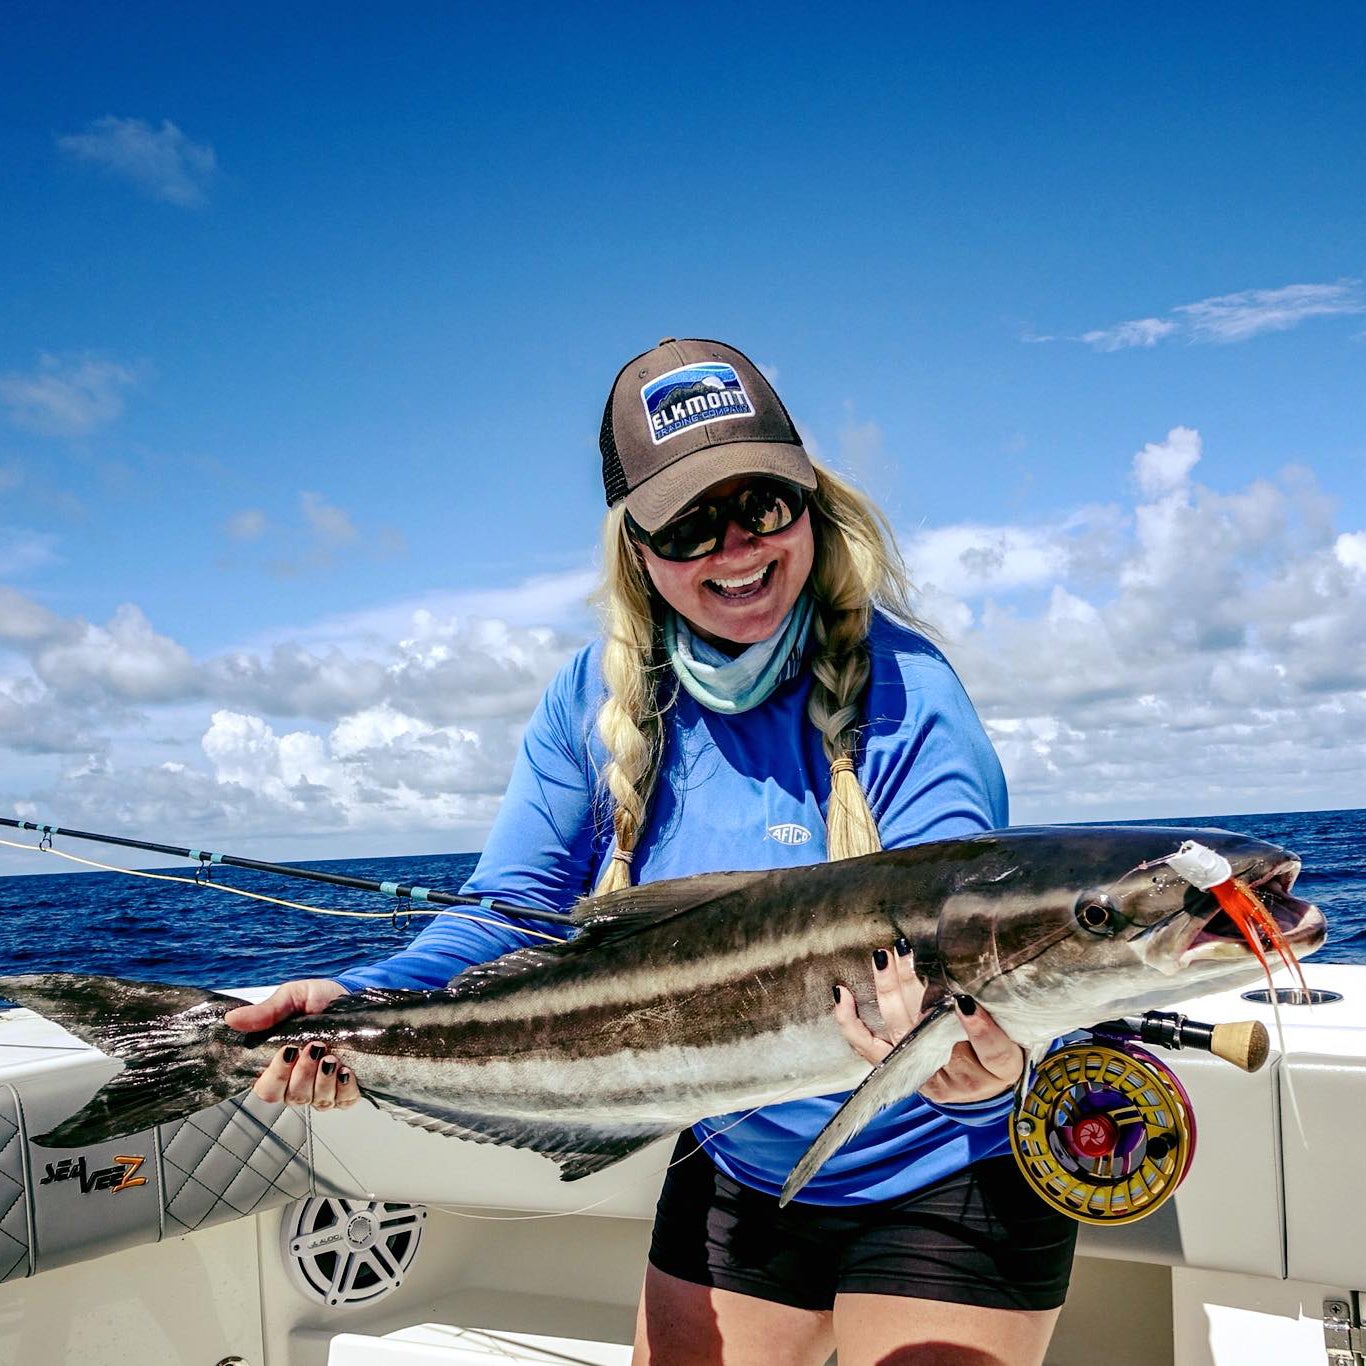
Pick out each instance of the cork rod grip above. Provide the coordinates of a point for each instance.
(1244, 1043)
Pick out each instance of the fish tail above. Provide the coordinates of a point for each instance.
(178, 1055)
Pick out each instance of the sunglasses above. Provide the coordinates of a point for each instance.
(763, 507)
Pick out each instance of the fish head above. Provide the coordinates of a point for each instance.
(1084, 924)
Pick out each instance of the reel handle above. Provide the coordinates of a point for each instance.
(1244, 1043)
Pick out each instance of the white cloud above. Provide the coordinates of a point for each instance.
(67, 396)
(22, 551)
(970, 558)
(329, 523)
(1139, 332)
(323, 534)
(1163, 466)
(1187, 649)
(125, 661)
(1350, 549)
(247, 525)
(162, 161)
(1227, 318)
(1219, 664)
(410, 729)
(1236, 317)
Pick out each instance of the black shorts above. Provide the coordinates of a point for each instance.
(980, 1236)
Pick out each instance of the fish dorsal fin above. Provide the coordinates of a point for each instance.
(611, 918)
(578, 1151)
(633, 908)
(914, 1060)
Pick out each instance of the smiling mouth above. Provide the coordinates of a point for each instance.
(739, 587)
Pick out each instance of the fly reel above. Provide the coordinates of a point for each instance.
(1105, 1133)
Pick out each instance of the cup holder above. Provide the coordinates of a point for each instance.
(1292, 996)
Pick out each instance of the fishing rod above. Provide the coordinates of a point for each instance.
(206, 859)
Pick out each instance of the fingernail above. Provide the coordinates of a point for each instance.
(291, 1053)
(902, 946)
(315, 1051)
(879, 959)
(966, 1004)
(344, 1078)
(327, 1068)
(837, 995)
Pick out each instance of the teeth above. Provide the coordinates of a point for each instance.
(732, 584)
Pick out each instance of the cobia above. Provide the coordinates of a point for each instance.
(710, 995)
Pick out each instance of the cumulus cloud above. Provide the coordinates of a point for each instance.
(1219, 662)
(163, 162)
(410, 731)
(1227, 318)
(67, 396)
(1185, 650)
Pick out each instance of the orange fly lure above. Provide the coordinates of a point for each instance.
(1211, 873)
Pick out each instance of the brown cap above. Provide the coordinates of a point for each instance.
(685, 416)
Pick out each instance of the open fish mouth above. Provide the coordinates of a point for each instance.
(1301, 924)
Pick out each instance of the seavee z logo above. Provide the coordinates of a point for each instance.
(120, 1177)
(708, 391)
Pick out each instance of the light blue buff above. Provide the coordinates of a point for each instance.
(733, 685)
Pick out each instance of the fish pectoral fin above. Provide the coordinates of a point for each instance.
(578, 1150)
(914, 1060)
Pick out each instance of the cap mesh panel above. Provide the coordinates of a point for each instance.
(613, 476)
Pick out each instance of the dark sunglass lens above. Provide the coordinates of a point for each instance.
(767, 506)
(690, 536)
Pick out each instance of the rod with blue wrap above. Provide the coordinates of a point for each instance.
(205, 858)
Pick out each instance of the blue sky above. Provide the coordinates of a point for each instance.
(309, 318)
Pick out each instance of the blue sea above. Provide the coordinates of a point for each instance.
(115, 925)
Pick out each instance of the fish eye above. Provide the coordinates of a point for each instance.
(1097, 913)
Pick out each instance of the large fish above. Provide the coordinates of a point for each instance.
(710, 995)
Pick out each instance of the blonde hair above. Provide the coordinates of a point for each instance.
(856, 567)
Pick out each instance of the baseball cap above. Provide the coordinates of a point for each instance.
(685, 416)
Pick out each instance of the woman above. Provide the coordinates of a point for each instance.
(759, 699)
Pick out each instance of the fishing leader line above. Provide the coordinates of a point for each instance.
(275, 900)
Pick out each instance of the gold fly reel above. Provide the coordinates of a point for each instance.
(1104, 1134)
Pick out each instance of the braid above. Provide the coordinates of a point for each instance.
(629, 721)
(856, 565)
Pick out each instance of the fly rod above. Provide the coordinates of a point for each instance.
(395, 889)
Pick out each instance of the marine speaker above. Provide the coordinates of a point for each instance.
(343, 1252)
(1104, 1134)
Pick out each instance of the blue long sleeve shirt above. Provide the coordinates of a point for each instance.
(745, 791)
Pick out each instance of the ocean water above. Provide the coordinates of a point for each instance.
(115, 925)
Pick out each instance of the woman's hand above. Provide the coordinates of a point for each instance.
(986, 1064)
(298, 1075)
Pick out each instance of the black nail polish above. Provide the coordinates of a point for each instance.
(291, 1053)
(344, 1078)
(837, 995)
(880, 959)
(902, 946)
(327, 1068)
(315, 1051)
(966, 1004)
